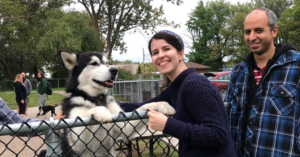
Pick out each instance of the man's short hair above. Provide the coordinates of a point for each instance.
(270, 14)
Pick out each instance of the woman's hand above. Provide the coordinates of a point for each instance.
(157, 120)
(22, 101)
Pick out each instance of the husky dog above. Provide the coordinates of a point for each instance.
(89, 80)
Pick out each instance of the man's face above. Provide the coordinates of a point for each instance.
(257, 33)
(23, 75)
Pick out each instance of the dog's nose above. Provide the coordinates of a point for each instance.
(113, 70)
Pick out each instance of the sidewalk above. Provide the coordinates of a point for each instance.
(32, 111)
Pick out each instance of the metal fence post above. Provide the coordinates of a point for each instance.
(131, 95)
(140, 90)
(125, 93)
(152, 87)
(119, 87)
(160, 82)
(53, 141)
(113, 92)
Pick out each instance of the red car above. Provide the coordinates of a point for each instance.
(221, 86)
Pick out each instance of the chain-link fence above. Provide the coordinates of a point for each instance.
(63, 138)
(142, 90)
(135, 90)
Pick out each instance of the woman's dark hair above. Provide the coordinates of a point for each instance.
(42, 76)
(172, 40)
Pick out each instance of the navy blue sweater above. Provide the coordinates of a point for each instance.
(200, 122)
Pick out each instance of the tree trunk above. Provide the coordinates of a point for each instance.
(26, 62)
(36, 70)
(220, 63)
(11, 77)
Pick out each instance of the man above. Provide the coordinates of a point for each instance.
(8, 116)
(263, 93)
(28, 88)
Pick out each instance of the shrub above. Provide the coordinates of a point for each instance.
(126, 75)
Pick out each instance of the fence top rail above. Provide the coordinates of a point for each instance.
(44, 125)
(134, 81)
(124, 81)
(221, 81)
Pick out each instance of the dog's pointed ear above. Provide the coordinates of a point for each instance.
(69, 59)
(105, 54)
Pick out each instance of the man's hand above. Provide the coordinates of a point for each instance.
(59, 115)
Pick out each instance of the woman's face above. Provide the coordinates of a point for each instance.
(21, 78)
(39, 75)
(165, 58)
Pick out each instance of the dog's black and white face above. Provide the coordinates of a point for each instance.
(90, 72)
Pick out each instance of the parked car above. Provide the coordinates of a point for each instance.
(221, 86)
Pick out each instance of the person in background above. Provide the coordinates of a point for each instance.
(20, 94)
(28, 87)
(42, 91)
(264, 92)
(200, 122)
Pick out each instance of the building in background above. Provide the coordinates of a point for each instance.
(199, 67)
(133, 68)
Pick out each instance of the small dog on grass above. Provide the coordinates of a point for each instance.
(48, 108)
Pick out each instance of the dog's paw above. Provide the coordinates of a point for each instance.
(160, 106)
(101, 114)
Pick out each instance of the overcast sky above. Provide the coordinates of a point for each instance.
(138, 41)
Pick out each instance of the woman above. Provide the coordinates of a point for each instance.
(20, 94)
(42, 90)
(200, 122)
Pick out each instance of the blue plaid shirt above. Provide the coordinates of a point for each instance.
(273, 126)
(8, 116)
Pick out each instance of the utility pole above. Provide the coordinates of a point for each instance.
(144, 61)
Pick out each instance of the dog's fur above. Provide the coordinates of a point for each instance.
(88, 83)
(48, 108)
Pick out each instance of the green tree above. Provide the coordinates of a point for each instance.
(289, 25)
(278, 6)
(12, 17)
(122, 62)
(124, 74)
(112, 18)
(236, 26)
(26, 20)
(139, 70)
(33, 31)
(212, 39)
(65, 30)
(148, 68)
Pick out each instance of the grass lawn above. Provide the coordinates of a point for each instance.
(159, 149)
(10, 98)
